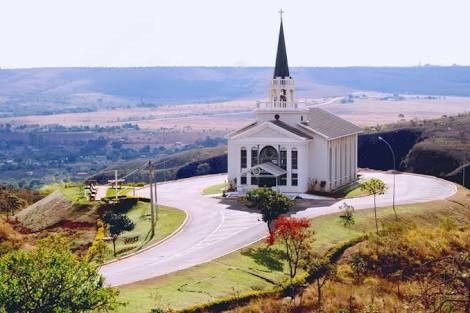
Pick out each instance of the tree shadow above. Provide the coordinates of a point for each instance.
(267, 257)
(237, 204)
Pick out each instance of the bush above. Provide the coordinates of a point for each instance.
(51, 279)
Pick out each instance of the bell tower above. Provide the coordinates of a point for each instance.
(281, 92)
(281, 103)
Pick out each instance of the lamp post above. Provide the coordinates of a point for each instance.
(394, 170)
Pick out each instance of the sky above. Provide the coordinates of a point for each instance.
(120, 33)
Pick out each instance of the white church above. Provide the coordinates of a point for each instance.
(289, 148)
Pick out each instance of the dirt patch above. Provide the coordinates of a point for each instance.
(54, 210)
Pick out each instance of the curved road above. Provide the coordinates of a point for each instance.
(216, 227)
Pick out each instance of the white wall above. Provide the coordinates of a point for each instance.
(318, 160)
(343, 161)
(314, 159)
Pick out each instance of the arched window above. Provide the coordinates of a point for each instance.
(268, 154)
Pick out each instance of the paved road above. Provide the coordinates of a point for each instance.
(215, 228)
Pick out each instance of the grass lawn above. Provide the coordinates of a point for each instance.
(123, 191)
(256, 268)
(74, 193)
(350, 191)
(169, 219)
(214, 189)
(356, 191)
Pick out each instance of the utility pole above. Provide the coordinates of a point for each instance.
(152, 210)
(155, 196)
(463, 173)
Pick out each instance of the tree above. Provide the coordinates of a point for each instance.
(445, 286)
(11, 203)
(347, 217)
(374, 187)
(359, 267)
(321, 270)
(50, 278)
(270, 203)
(117, 224)
(98, 248)
(203, 169)
(295, 235)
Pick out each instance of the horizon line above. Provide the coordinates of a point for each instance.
(232, 66)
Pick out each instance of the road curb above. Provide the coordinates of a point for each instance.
(153, 245)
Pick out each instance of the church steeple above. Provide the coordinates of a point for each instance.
(282, 68)
(281, 92)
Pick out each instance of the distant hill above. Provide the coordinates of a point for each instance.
(175, 166)
(54, 90)
(439, 147)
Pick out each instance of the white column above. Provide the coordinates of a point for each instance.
(335, 152)
(345, 160)
(289, 165)
(341, 161)
(351, 157)
(248, 164)
(355, 156)
(330, 164)
(239, 165)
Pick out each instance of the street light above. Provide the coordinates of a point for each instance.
(394, 171)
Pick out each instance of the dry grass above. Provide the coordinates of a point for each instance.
(225, 116)
(429, 231)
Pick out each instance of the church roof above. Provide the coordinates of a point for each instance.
(282, 68)
(328, 124)
(292, 129)
(242, 130)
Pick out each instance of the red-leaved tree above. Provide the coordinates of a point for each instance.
(295, 236)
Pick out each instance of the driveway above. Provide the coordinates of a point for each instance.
(216, 227)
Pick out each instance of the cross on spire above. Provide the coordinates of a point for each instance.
(281, 69)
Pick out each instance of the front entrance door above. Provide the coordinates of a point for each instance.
(267, 182)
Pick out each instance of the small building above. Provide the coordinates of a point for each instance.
(290, 148)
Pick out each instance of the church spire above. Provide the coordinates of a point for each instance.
(282, 68)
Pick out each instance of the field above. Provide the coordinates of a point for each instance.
(122, 191)
(382, 109)
(255, 268)
(214, 189)
(366, 109)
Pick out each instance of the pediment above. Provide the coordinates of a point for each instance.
(268, 130)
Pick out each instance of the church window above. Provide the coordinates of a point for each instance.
(254, 180)
(282, 180)
(254, 156)
(295, 180)
(243, 158)
(268, 154)
(243, 180)
(283, 158)
(294, 159)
